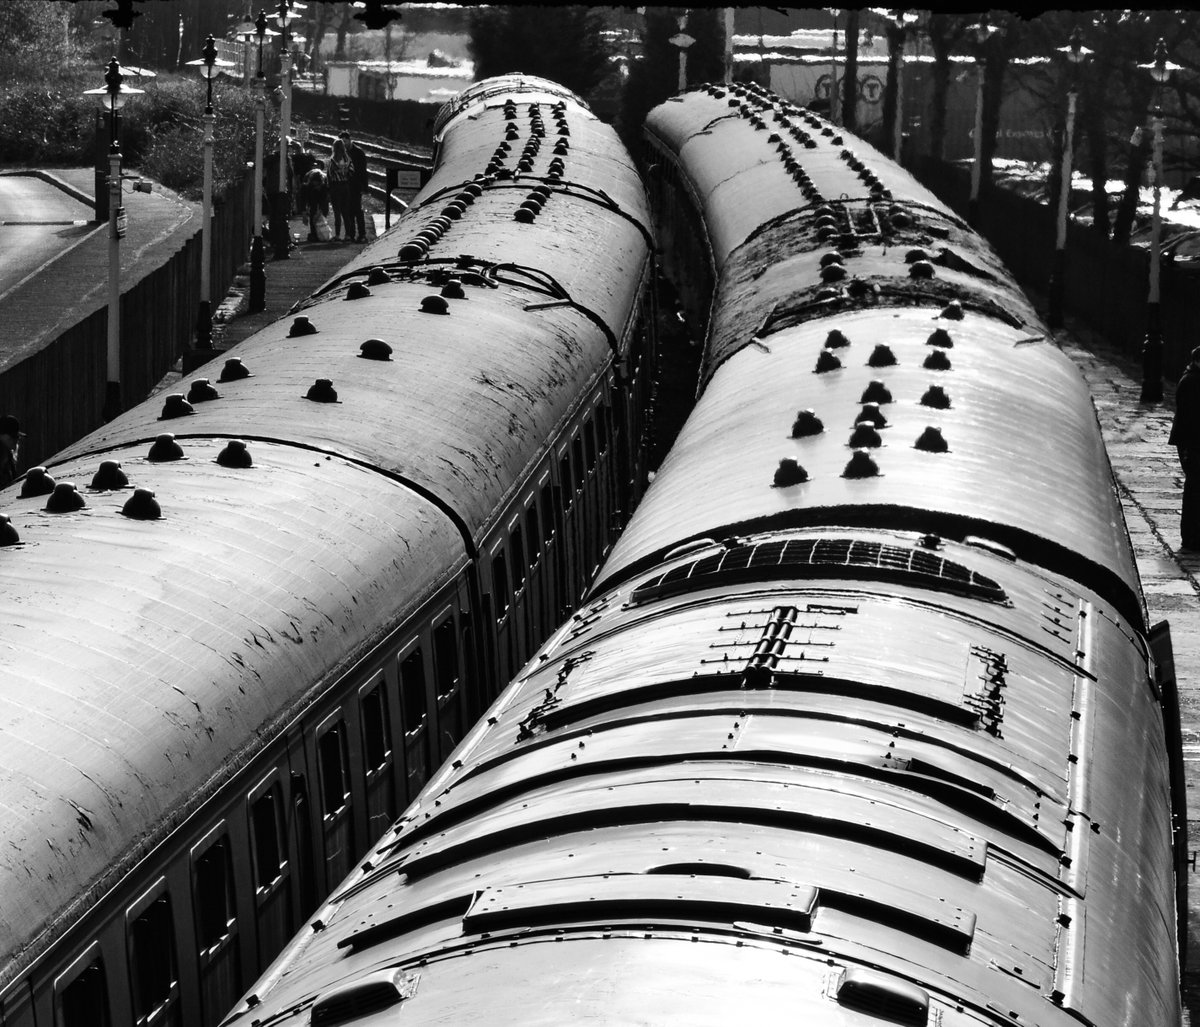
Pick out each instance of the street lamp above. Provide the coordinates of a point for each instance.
(982, 33)
(682, 40)
(258, 274)
(209, 66)
(1075, 53)
(1160, 70)
(280, 231)
(113, 95)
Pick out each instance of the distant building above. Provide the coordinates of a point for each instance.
(418, 80)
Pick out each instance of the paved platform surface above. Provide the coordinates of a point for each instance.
(73, 282)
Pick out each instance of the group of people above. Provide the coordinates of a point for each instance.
(338, 183)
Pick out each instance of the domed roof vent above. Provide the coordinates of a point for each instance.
(8, 534)
(375, 349)
(865, 436)
(358, 291)
(931, 441)
(142, 506)
(109, 477)
(881, 356)
(378, 276)
(235, 454)
(64, 499)
(202, 391)
(935, 396)
(165, 448)
(806, 425)
(175, 406)
(940, 337)
(322, 391)
(301, 326)
(234, 370)
(937, 361)
(827, 361)
(872, 415)
(876, 392)
(836, 340)
(861, 466)
(788, 473)
(37, 483)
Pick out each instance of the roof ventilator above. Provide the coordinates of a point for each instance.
(453, 290)
(940, 337)
(8, 534)
(235, 454)
(175, 406)
(885, 997)
(832, 257)
(876, 392)
(833, 273)
(376, 349)
(301, 326)
(37, 483)
(836, 340)
(234, 370)
(378, 276)
(935, 396)
(64, 499)
(952, 310)
(357, 291)
(827, 361)
(165, 448)
(920, 269)
(861, 466)
(937, 361)
(864, 436)
(435, 305)
(789, 472)
(142, 506)
(807, 423)
(109, 477)
(202, 391)
(369, 994)
(872, 415)
(931, 441)
(881, 356)
(412, 251)
(322, 391)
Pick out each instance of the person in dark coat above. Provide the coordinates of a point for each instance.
(316, 198)
(358, 185)
(1185, 436)
(10, 448)
(339, 173)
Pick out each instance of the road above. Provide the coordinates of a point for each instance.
(38, 221)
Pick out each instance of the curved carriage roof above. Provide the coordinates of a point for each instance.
(1024, 462)
(144, 660)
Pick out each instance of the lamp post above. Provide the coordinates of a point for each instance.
(113, 95)
(1075, 53)
(983, 32)
(209, 66)
(682, 40)
(280, 232)
(258, 273)
(1160, 70)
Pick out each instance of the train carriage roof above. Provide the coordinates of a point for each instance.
(1016, 456)
(142, 656)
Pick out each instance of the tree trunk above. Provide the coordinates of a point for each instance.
(895, 38)
(850, 74)
(993, 95)
(1135, 166)
(1092, 116)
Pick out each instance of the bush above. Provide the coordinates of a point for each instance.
(162, 131)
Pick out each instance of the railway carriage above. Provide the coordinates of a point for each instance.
(247, 623)
(862, 723)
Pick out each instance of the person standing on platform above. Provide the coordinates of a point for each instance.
(1185, 436)
(339, 175)
(358, 182)
(10, 447)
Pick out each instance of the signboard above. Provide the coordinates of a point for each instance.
(121, 223)
(408, 180)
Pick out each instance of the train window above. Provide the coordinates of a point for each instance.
(564, 476)
(535, 537)
(577, 456)
(377, 742)
(335, 776)
(517, 542)
(212, 887)
(547, 501)
(268, 853)
(152, 960)
(500, 584)
(603, 431)
(412, 690)
(84, 1002)
(445, 657)
(589, 441)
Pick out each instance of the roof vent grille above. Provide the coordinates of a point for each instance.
(888, 998)
(365, 996)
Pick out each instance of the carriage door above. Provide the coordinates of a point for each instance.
(215, 914)
(378, 756)
(337, 820)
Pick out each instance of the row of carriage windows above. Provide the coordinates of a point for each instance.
(153, 969)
